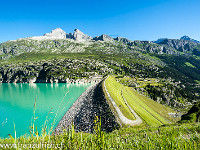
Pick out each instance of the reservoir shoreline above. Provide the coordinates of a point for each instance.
(17, 104)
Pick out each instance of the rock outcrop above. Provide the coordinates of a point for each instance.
(123, 40)
(103, 37)
(80, 36)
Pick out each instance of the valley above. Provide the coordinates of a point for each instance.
(139, 91)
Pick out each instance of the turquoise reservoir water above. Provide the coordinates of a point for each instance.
(17, 105)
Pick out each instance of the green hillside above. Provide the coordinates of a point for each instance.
(177, 71)
(152, 113)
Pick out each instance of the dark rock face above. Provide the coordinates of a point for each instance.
(184, 44)
(123, 40)
(193, 114)
(16, 75)
(103, 37)
(70, 36)
(196, 51)
(83, 112)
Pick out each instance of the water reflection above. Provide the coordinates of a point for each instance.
(32, 85)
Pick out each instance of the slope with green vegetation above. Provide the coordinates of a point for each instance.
(152, 113)
(114, 90)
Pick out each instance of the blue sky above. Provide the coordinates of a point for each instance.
(133, 19)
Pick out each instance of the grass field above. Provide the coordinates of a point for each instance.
(160, 109)
(152, 113)
(179, 137)
(114, 89)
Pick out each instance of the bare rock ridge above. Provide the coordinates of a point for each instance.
(58, 33)
(181, 45)
(185, 43)
(123, 40)
(61, 42)
(103, 37)
(182, 39)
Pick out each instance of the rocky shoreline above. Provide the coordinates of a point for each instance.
(35, 80)
(84, 110)
(76, 81)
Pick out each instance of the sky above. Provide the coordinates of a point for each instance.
(132, 19)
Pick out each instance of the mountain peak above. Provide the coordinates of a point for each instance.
(185, 37)
(56, 33)
(80, 36)
(57, 29)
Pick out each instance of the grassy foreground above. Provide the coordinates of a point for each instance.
(185, 136)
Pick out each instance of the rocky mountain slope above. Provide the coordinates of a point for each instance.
(57, 41)
(184, 46)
